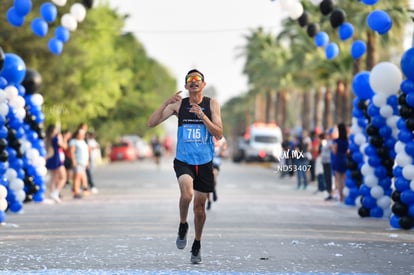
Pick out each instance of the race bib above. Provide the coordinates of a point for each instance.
(194, 132)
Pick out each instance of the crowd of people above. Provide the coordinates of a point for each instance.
(321, 157)
(70, 161)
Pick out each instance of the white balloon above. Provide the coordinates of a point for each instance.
(11, 92)
(16, 184)
(403, 159)
(3, 204)
(358, 203)
(384, 202)
(69, 22)
(78, 11)
(295, 10)
(408, 171)
(20, 195)
(37, 99)
(3, 192)
(379, 100)
(11, 174)
(4, 109)
(3, 96)
(399, 147)
(60, 3)
(386, 111)
(360, 139)
(412, 185)
(392, 121)
(366, 169)
(371, 180)
(377, 192)
(385, 78)
(20, 113)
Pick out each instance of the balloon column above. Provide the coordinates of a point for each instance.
(22, 164)
(403, 195)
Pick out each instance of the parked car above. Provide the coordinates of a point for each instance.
(143, 149)
(123, 150)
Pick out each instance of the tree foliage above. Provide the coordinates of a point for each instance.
(103, 76)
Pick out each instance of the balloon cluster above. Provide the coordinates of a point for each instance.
(22, 162)
(403, 195)
(382, 133)
(16, 16)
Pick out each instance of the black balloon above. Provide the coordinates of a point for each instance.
(337, 18)
(304, 19)
(3, 144)
(406, 222)
(401, 99)
(363, 212)
(326, 7)
(372, 130)
(32, 81)
(406, 111)
(399, 209)
(396, 196)
(1, 58)
(4, 156)
(376, 141)
(410, 123)
(88, 3)
(312, 29)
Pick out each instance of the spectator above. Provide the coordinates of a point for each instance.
(340, 150)
(80, 159)
(55, 158)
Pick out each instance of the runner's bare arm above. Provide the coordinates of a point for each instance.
(167, 109)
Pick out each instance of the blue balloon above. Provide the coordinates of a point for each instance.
(397, 171)
(14, 69)
(405, 135)
(407, 197)
(376, 212)
(372, 109)
(39, 27)
(331, 51)
(361, 86)
(407, 63)
(379, 21)
(380, 171)
(321, 39)
(410, 99)
(407, 86)
(411, 210)
(401, 184)
(3, 82)
(395, 221)
(62, 34)
(369, 2)
(374, 161)
(13, 18)
(15, 206)
(385, 132)
(409, 148)
(2, 216)
(48, 12)
(55, 46)
(369, 202)
(345, 31)
(358, 49)
(378, 121)
(23, 7)
(364, 190)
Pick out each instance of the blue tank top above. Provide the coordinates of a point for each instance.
(195, 145)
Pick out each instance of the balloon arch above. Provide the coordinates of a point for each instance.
(22, 150)
(380, 175)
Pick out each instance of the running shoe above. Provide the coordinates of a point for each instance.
(196, 255)
(181, 241)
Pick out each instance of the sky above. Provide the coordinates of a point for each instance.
(207, 35)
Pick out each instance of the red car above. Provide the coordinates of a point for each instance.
(123, 151)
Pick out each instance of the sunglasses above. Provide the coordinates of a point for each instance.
(196, 77)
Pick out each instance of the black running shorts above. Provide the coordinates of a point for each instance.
(203, 177)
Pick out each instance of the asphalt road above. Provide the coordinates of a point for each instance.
(260, 225)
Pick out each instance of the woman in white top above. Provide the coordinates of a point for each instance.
(80, 157)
